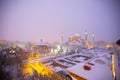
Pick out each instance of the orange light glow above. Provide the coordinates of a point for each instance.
(89, 46)
(28, 71)
(12, 51)
(113, 66)
(42, 70)
(108, 46)
(39, 69)
(33, 56)
(74, 39)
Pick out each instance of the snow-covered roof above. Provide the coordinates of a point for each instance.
(75, 43)
(57, 69)
(41, 43)
(97, 72)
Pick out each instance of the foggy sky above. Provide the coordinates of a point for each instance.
(32, 20)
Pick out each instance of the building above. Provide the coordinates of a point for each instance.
(41, 47)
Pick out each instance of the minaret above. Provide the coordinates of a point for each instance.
(62, 35)
(86, 34)
(93, 37)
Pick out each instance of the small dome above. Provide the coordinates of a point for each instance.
(41, 43)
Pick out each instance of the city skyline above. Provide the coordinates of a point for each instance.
(25, 20)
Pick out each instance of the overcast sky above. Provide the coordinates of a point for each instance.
(32, 20)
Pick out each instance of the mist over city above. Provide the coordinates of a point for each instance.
(32, 20)
(59, 39)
